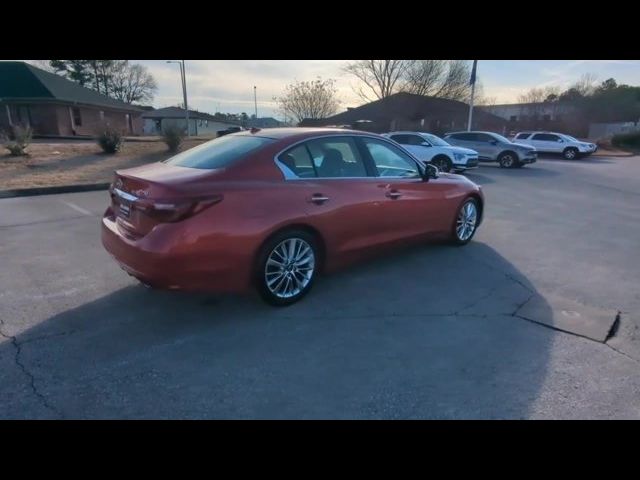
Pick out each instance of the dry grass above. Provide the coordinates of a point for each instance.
(53, 164)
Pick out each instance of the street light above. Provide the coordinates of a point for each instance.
(255, 101)
(184, 89)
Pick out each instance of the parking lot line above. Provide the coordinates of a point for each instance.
(76, 208)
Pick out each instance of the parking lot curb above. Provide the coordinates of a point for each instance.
(28, 192)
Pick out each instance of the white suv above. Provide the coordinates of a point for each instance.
(552, 142)
(429, 148)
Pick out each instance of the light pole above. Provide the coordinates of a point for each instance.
(184, 89)
(472, 81)
(255, 101)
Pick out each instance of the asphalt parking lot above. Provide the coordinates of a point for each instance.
(537, 318)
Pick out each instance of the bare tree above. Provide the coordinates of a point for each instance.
(586, 84)
(380, 78)
(314, 99)
(455, 85)
(131, 83)
(424, 77)
(435, 78)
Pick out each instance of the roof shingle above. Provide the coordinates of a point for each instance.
(21, 81)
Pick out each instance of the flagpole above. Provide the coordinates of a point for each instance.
(473, 91)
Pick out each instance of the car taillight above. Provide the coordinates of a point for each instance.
(175, 210)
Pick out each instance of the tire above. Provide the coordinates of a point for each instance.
(285, 284)
(443, 163)
(508, 160)
(469, 212)
(570, 153)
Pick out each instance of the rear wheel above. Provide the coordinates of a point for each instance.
(570, 153)
(466, 222)
(287, 267)
(443, 163)
(508, 160)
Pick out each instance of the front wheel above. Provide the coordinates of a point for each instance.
(508, 160)
(570, 153)
(443, 163)
(287, 267)
(466, 222)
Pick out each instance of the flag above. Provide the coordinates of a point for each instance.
(473, 73)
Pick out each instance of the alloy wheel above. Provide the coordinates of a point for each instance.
(289, 268)
(466, 222)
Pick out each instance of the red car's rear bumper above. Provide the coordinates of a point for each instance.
(158, 260)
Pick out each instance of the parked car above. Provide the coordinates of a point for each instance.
(273, 208)
(552, 142)
(432, 149)
(229, 130)
(492, 147)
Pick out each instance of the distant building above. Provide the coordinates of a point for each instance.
(200, 123)
(264, 122)
(406, 111)
(52, 105)
(555, 116)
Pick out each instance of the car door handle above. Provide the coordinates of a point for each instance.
(393, 194)
(318, 198)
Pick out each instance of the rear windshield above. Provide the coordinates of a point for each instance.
(218, 153)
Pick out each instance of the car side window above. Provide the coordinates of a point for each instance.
(336, 157)
(545, 137)
(523, 136)
(415, 140)
(467, 137)
(401, 139)
(389, 160)
(298, 161)
(484, 138)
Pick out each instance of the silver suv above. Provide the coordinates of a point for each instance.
(553, 142)
(492, 147)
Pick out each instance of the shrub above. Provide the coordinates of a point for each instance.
(110, 139)
(173, 137)
(18, 141)
(627, 140)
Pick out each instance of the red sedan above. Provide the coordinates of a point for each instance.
(273, 208)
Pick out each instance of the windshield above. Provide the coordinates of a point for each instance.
(218, 153)
(570, 138)
(501, 138)
(435, 141)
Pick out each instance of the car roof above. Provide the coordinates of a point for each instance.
(408, 132)
(472, 131)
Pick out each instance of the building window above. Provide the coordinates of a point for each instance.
(513, 118)
(77, 118)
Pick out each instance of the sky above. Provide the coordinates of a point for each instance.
(227, 85)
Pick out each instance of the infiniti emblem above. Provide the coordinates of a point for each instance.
(118, 183)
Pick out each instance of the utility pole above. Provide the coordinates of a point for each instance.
(183, 79)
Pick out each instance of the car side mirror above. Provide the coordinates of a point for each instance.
(430, 171)
(425, 144)
(493, 142)
(560, 140)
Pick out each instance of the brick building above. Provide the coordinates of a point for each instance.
(407, 111)
(54, 106)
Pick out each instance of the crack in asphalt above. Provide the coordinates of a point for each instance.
(27, 373)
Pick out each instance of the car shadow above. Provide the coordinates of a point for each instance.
(588, 159)
(425, 332)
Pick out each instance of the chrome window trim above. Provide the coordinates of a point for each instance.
(289, 175)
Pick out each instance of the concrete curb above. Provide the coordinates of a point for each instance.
(28, 192)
